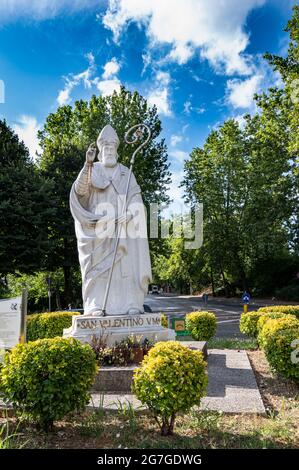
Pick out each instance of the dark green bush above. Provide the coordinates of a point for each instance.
(47, 378)
(201, 325)
(48, 325)
(290, 293)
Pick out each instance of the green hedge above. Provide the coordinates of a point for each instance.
(48, 325)
(248, 323)
(47, 378)
(270, 316)
(201, 325)
(280, 350)
(272, 326)
(172, 378)
(288, 309)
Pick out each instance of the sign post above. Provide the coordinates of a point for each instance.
(178, 324)
(23, 316)
(246, 299)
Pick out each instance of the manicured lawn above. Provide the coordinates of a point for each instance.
(232, 343)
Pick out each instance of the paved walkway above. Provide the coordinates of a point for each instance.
(232, 387)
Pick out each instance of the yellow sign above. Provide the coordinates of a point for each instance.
(179, 325)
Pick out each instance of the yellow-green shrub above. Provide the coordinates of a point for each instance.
(48, 325)
(288, 309)
(172, 378)
(164, 320)
(47, 378)
(201, 325)
(270, 316)
(248, 323)
(280, 350)
(272, 326)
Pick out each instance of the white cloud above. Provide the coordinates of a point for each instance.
(111, 68)
(160, 98)
(175, 139)
(176, 193)
(42, 9)
(163, 77)
(179, 155)
(188, 108)
(240, 120)
(27, 127)
(239, 93)
(215, 29)
(73, 80)
(106, 84)
(110, 81)
(159, 94)
(107, 87)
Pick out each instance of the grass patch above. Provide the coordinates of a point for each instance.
(232, 343)
(198, 429)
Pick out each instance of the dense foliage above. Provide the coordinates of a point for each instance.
(289, 309)
(201, 325)
(48, 378)
(282, 351)
(172, 378)
(247, 178)
(48, 325)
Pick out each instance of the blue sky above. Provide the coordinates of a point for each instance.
(199, 61)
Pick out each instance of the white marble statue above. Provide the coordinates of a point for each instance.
(96, 201)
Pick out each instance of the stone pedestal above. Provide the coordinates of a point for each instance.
(115, 328)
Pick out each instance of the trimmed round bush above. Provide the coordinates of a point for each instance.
(270, 316)
(287, 309)
(201, 325)
(248, 323)
(48, 378)
(48, 325)
(282, 352)
(172, 378)
(272, 326)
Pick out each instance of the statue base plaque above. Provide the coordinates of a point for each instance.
(113, 329)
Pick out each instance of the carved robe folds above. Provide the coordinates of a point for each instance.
(96, 202)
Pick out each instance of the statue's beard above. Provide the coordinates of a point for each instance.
(111, 162)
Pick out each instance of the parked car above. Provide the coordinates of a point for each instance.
(155, 290)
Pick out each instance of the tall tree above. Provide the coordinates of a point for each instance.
(25, 206)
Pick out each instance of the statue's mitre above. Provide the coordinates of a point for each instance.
(108, 135)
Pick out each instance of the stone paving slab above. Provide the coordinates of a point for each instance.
(232, 387)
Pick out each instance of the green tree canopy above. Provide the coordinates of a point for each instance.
(25, 208)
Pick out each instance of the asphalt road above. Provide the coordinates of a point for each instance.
(227, 313)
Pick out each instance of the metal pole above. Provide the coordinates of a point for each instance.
(23, 315)
(136, 136)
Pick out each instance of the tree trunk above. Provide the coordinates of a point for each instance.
(67, 285)
(212, 282)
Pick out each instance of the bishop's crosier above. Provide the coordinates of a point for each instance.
(96, 201)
